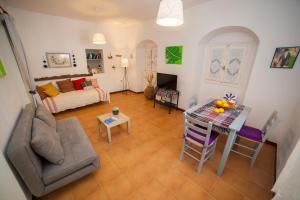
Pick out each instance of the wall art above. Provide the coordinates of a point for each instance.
(174, 55)
(285, 57)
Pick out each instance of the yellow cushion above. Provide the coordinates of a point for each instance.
(46, 86)
(50, 89)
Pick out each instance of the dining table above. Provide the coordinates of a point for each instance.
(229, 123)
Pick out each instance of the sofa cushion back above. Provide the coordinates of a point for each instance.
(22, 156)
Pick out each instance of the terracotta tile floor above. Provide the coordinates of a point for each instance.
(145, 165)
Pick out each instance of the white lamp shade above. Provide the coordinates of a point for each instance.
(170, 13)
(124, 62)
(99, 38)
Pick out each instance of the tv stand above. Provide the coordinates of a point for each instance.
(166, 97)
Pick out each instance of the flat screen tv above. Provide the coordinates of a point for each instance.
(167, 81)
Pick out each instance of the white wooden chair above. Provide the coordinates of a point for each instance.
(198, 134)
(255, 135)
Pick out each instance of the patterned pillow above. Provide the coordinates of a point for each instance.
(94, 82)
(86, 84)
(65, 85)
(88, 88)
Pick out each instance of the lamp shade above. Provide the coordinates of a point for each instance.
(170, 13)
(99, 38)
(124, 62)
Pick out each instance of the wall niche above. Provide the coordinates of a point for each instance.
(94, 60)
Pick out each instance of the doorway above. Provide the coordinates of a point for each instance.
(146, 62)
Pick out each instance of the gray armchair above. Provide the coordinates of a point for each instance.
(40, 176)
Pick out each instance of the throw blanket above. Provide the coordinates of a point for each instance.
(75, 99)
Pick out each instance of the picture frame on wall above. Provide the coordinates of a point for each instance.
(174, 54)
(285, 57)
(2, 69)
(59, 60)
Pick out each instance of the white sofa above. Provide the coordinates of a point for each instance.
(74, 99)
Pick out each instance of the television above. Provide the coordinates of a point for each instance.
(167, 81)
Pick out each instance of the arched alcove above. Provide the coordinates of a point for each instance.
(218, 50)
(146, 62)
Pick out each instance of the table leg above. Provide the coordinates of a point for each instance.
(230, 141)
(108, 135)
(129, 126)
(99, 130)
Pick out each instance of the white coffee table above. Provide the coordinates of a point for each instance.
(121, 119)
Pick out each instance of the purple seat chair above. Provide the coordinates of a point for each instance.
(198, 135)
(255, 135)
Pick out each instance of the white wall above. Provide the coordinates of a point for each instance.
(268, 89)
(13, 97)
(42, 33)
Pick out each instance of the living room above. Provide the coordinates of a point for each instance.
(111, 85)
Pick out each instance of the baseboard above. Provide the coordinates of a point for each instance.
(120, 91)
(275, 162)
(181, 109)
(271, 143)
(136, 92)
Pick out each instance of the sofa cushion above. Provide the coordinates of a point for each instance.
(94, 82)
(41, 92)
(86, 83)
(46, 142)
(52, 92)
(43, 114)
(78, 150)
(77, 83)
(50, 89)
(65, 85)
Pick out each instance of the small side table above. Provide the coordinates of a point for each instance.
(166, 97)
(121, 119)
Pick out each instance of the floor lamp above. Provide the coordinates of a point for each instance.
(125, 77)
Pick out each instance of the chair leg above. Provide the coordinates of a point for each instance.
(256, 154)
(182, 149)
(213, 151)
(201, 162)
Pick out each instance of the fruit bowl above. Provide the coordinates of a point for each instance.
(225, 104)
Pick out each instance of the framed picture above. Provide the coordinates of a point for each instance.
(59, 60)
(174, 55)
(285, 57)
(2, 69)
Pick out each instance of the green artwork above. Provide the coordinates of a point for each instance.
(174, 55)
(2, 70)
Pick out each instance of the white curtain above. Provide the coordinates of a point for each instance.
(287, 186)
(19, 53)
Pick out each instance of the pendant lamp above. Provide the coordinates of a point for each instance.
(170, 13)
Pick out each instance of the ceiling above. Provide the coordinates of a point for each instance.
(120, 11)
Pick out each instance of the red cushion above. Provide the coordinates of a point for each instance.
(77, 83)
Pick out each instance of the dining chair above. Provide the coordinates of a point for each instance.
(198, 134)
(255, 135)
